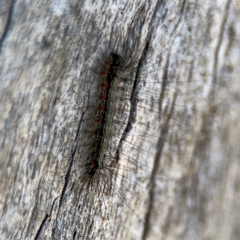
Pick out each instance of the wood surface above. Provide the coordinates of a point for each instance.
(185, 127)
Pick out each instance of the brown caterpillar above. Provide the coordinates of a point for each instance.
(105, 122)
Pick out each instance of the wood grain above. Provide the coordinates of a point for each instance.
(191, 143)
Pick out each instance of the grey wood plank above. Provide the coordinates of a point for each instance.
(184, 130)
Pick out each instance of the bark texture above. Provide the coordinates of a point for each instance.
(189, 139)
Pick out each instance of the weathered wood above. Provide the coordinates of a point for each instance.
(189, 138)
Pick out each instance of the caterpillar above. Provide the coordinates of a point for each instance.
(106, 120)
